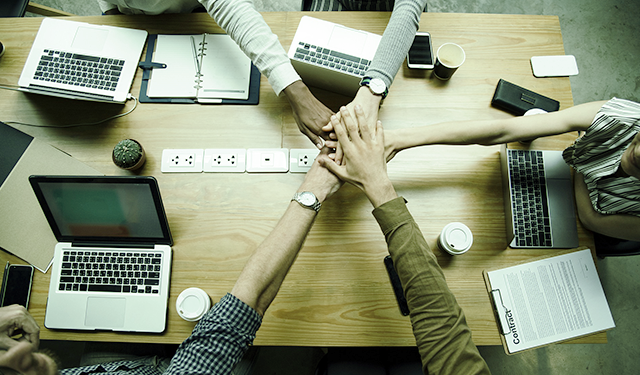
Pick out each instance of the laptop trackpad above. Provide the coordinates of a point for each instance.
(90, 38)
(105, 312)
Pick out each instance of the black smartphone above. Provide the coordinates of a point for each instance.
(16, 285)
(397, 285)
(420, 54)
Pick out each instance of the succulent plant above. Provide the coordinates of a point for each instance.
(128, 154)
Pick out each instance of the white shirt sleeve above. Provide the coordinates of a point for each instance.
(245, 25)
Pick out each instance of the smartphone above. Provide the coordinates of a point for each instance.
(16, 285)
(554, 66)
(396, 285)
(420, 54)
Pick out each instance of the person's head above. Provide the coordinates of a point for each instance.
(23, 358)
(630, 162)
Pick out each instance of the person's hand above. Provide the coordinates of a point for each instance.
(15, 319)
(319, 180)
(370, 104)
(20, 355)
(310, 114)
(363, 163)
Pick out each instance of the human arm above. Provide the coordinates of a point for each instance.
(263, 274)
(310, 114)
(390, 54)
(489, 132)
(622, 226)
(224, 334)
(245, 25)
(442, 335)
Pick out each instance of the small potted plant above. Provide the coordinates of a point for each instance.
(128, 154)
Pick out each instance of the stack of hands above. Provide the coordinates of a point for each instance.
(19, 341)
(359, 156)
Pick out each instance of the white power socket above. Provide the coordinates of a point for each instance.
(267, 160)
(181, 160)
(224, 160)
(300, 159)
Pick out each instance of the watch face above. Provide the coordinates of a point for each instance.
(377, 85)
(306, 198)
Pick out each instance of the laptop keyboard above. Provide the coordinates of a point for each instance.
(110, 271)
(529, 205)
(331, 59)
(79, 70)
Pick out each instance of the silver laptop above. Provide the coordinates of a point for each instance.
(332, 56)
(538, 198)
(112, 263)
(78, 60)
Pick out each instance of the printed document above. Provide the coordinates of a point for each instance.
(549, 300)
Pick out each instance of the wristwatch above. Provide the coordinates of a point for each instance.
(376, 85)
(307, 200)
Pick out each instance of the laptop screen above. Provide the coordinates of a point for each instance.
(97, 209)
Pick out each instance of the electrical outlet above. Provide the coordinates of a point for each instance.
(225, 160)
(181, 160)
(301, 159)
(267, 160)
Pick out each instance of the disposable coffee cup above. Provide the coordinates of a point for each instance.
(192, 304)
(455, 238)
(449, 58)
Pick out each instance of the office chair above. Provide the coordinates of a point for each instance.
(609, 246)
(17, 8)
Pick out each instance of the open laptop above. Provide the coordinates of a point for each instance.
(332, 56)
(112, 262)
(538, 198)
(78, 60)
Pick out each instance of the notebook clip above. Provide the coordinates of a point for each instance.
(145, 65)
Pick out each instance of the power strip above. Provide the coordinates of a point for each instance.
(225, 160)
(267, 160)
(182, 160)
(238, 160)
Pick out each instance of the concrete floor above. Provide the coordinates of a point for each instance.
(603, 35)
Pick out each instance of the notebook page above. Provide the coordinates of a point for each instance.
(226, 70)
(178, 79)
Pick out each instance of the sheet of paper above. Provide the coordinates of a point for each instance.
(226, 70)
(550, 300)
(24, 230)
(178, 79)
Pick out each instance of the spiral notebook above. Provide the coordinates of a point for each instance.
(204, 68)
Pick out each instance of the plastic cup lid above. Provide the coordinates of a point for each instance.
(456, 238)
(192, 304)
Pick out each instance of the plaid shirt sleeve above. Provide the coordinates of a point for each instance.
(219, 340)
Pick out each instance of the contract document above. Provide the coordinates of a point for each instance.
(549, 300)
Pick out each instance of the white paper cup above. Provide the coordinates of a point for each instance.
(455, 238)
(192, 304)
(449, 58)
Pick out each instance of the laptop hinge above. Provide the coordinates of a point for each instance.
(113, 245)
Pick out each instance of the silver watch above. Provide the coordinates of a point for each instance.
(307, 200)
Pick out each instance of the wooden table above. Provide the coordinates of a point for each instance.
(338, 292)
